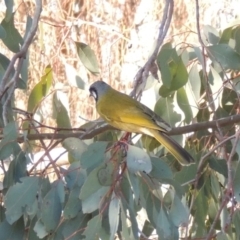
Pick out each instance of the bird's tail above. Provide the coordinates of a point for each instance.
(173, 147)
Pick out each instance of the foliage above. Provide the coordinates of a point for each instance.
(107, 184)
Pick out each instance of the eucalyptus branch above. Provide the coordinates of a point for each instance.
(142, 74)
(102, 127)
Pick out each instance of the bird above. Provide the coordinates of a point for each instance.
(127, 114)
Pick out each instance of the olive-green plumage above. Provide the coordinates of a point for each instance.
(125, 113)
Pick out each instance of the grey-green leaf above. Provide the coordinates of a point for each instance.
(25, 193)
(75, 147)
(224, 55)
(87, 57)
(51, 209)
(138, 160)
(183, 103)
(13, 39)
(113, 215)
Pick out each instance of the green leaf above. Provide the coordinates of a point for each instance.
(219, 165)
(73, 78)
(106, 173)
(3, 33)
(187, 173)
(160, 169)
(178, 213)
(40, 229)
(165, 109)
(236, 183)
(75, 147)
(75, 175)
(17, 168)
(93, 227)
(174, 73)
(13, 39)
(195, 81)
(10, 134)
(237, 39)
(211, 33)
(73, 205)
(94, 156)
(61, 111)
(40, 90)
(236, 221)
(224, 55)
(138, 160)
(216, 82)
(51, 209)
(132, 217)
(226, 35)
(13, 231)
(164, 91)
(134, 183)
(4, 62)
(25, 193)
(91, 185)
(87, 57)
(125, 231)
(113, 215)
(9, 11)
(147, 229)
(163, 58)
(183, 103)
(73, 228)
(164, 228)
(200, 209)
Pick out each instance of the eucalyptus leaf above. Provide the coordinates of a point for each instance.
(40, 90)
(13, 40)
(184, 104)
(91, 185)
(160, 169)
(113, 215)
(212, 34)
(93, 228)
(61, 111)
(94, 156)
(75, 147)
(165, 109)
(51, 209)
(3, 33)
(93, 201)
(138, 160)
(164, 227)
(178, 213)
(13, 231)
(87, 57)
(9, 11)
(73, 205)
(224, 55)
(27, 189)
(75, 176)
(173, 72)
(236, 183)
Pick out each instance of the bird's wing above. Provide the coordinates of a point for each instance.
(128, 110)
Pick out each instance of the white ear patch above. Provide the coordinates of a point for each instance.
(93, 93)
